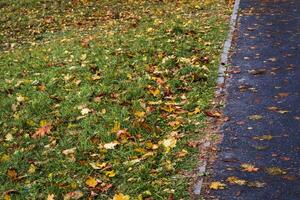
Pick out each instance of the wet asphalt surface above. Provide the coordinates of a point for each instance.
(264, 83)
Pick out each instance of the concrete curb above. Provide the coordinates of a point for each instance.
(220, 82)
(227, 45)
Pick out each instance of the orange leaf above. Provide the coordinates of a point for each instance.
(42, 131)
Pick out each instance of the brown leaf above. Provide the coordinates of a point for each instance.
(275, 171)
(213, 114)
(42, 131)
(12, 173)
(249, 168)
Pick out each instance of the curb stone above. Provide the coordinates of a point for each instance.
(201, 169)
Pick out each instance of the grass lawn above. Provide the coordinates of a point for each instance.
(105, 99)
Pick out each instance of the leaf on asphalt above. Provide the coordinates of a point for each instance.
(255, 117)
(42, 131)
(275, 171)
(249, 167)
(236, 180)
(216, 185)
(121, 196)
(91, 182)
(257, 71)
(283, 94)
(73, 195)
(256, 184)
(263, 137)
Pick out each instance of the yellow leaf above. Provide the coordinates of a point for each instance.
(7, 197)
(98, 165)
(121, 196)
(235, 180)
(275, 171)
(217, 185)
(91, 182)
(154, 92)
(110, 174)
(169, 143)
(116, 127)
(50, 197)
(249, 168)
(5, 158)
(32, 169)
(139, 114)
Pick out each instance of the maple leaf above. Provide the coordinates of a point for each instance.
(111, 145)
(249, 168)
(275, 171)
(217, 185)
(91, 182)
(73, 195)
(235, 180)
(42, 131)
(121, 196)
(12, 173)
(213, 114)
(51, 197)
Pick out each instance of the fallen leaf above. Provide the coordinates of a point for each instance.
(255, 117)
(249, 168)
(139, 114)
(217, 185)
(121, 196)
(257, 184)
(12, 173)
(42, 131)
(73, 195)
(169, 142)
(213, 114)
(275, 171)
(263, 137)
(32, 169)
(283, 94)
(85, 111)
(111, 145)
(117, 127)
(98, 165)
(154, 92)
(91, 182)
(235, 180)
(51, 197)
(110, 174)
(69, 151)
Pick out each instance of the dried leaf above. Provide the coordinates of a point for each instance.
(217, 185)
(12, 173)
(91, 182)
(111, 145)
(275, 171)
(249, 168)
(263, 137)
(42, 131)
(51, 197)
(121, 196)
(255, 117)
(235, 180)
(73, 195)
(213, 114)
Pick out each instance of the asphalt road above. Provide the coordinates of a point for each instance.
(265, 84)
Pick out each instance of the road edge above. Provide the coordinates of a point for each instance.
(201, 169)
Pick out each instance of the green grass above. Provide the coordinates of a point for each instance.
(143, 65)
